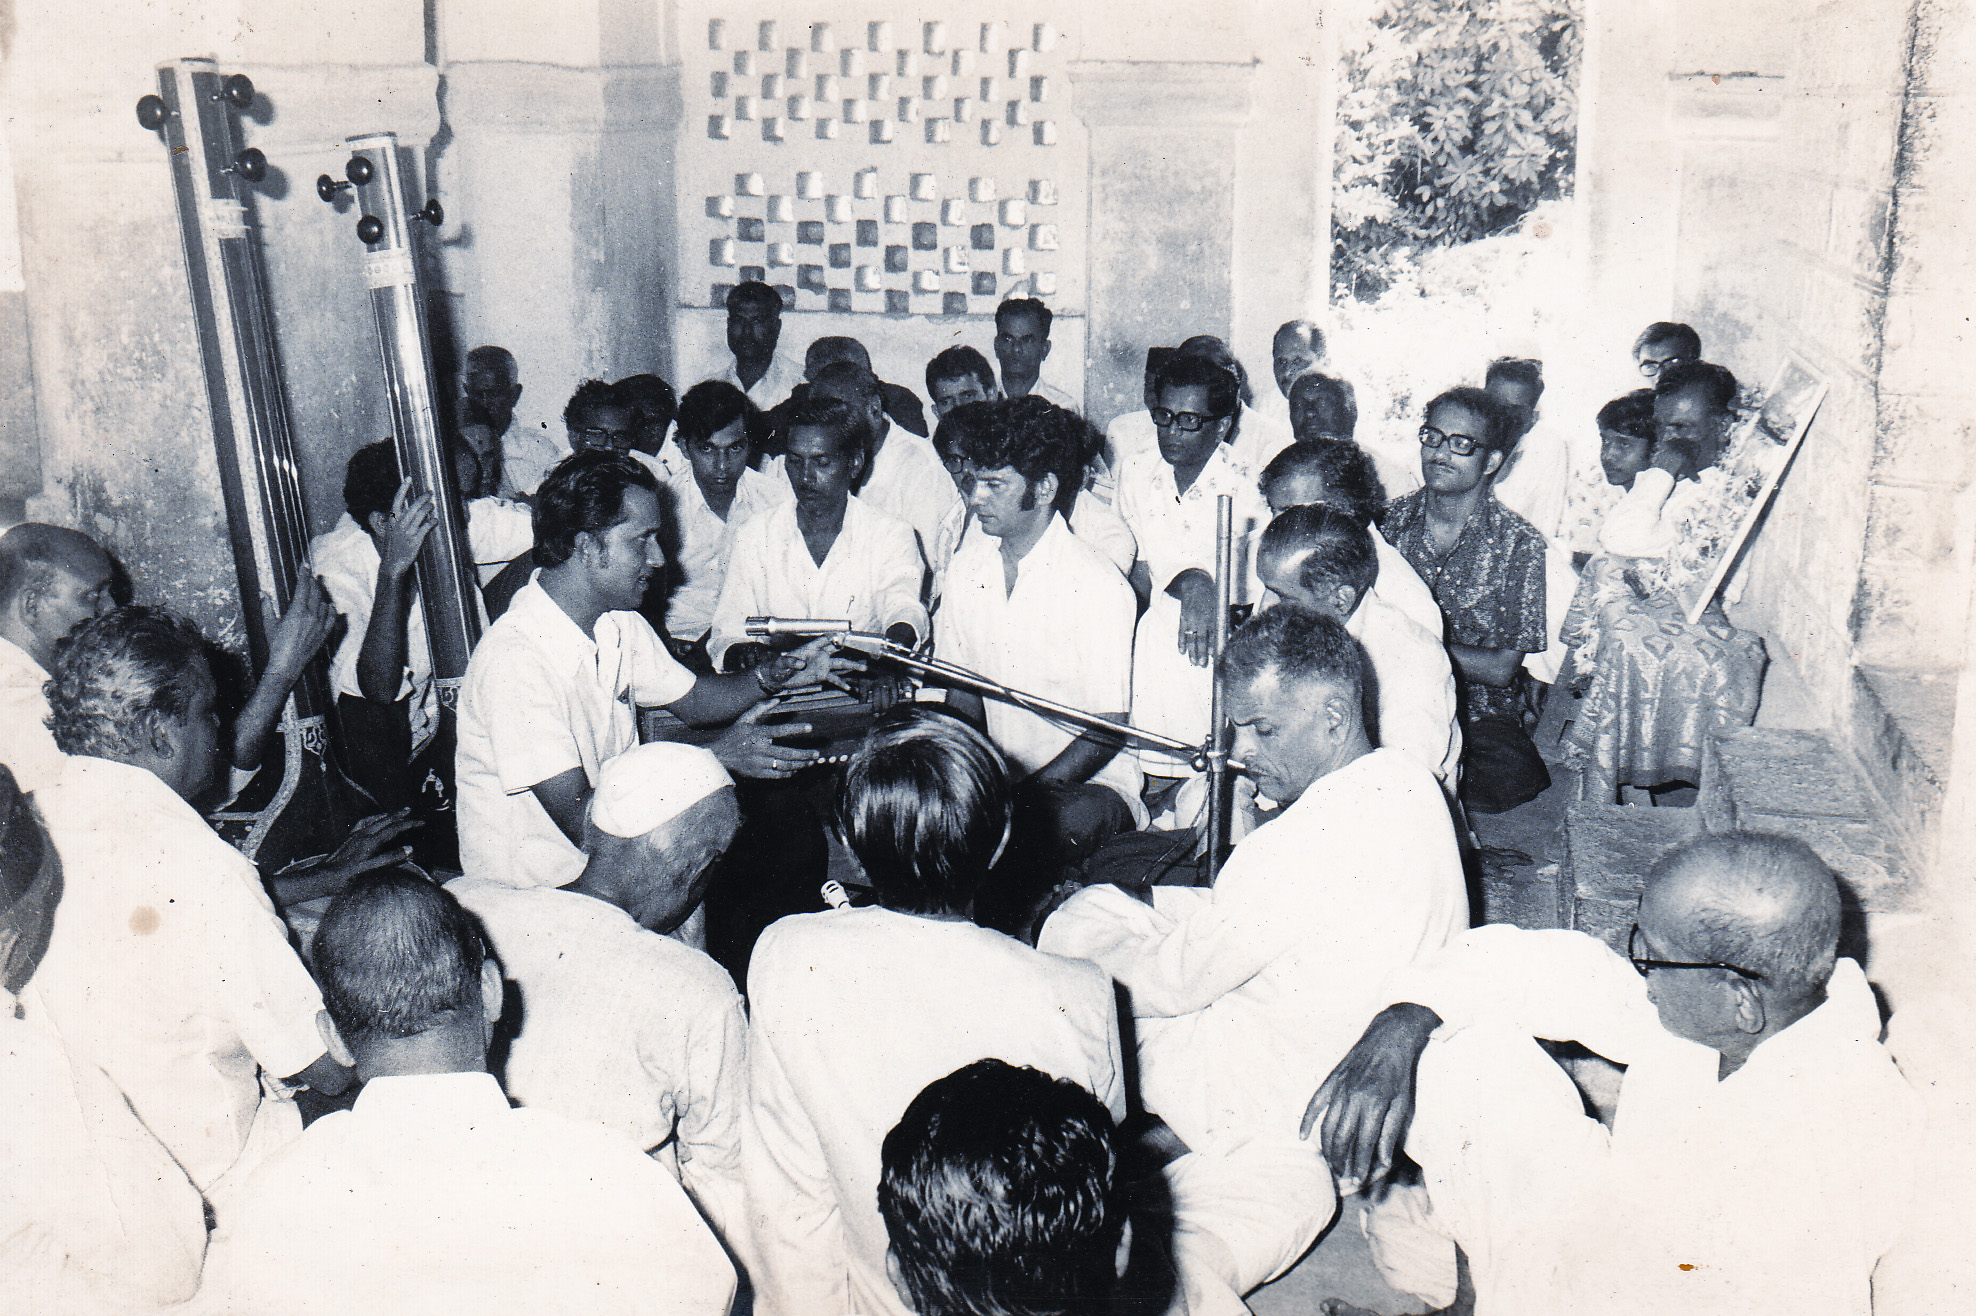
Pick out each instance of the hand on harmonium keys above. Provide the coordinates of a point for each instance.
(816, 663)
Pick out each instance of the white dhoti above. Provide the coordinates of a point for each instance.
(1169, 694)
(1242, 1215)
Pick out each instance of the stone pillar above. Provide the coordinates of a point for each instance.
(1629, 166)
(126, 445)
(1164, 140)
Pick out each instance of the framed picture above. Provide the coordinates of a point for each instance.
(1789, 405)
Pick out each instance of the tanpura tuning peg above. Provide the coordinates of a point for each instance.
(250, 165)
(369, 229)
(433, 213)
(327, 188)
(359, 170)
(152, 112)
(236, 90)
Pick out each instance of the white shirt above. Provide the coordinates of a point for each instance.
(540, 698)
(1258, 438)
(1400, 587)
(431, 1195)
(1092, 520)
(871, 575)
(1781, 1184)
(706, 540)
(96, 1217)
(169, 967)
(1536, 479)
(26, 744)
(346, 560)
(855, 1011)
(625, 1028)
(776, 384)
(1646, 521)
(1064, 633)
(906, 481)
(1416, 687)
(1053, 395)
(528, 453)
(1260, 984)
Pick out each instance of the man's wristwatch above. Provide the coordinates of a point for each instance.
(762, 678)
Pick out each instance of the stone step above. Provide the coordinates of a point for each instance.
(1796, 784)
(1609, 849)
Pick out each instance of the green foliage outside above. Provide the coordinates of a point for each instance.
(1455, 120)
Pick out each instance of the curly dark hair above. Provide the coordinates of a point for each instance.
(584, 494)
(117, 676)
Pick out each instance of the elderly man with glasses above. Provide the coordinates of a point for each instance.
(1759, 1153)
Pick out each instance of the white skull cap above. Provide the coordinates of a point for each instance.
(649, 786)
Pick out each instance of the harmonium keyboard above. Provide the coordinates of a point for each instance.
(838, 723)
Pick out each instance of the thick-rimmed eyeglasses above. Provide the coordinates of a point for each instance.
(1643, 966)
(1187, 422)
(1459, 444)
(1651, 369)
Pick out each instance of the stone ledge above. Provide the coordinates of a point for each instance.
(1609, 849)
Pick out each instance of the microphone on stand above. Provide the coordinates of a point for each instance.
(764, 627)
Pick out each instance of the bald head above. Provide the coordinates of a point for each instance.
(1761, 902)
(51, 579)
(1297, 348)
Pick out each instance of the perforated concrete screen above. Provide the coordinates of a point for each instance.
(888, 165)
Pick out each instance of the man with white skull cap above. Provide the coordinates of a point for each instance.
(619, 1023)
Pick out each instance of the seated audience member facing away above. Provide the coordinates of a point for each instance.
(1486, 566)
(553, 688)
(958, 376)
(754, 330)
(1001, 1192)
(622, 1025)
(1535, 477)
(168, 967)
(1662, 343)
(826, 553)
(1029, 604)
(856, 1010)
(431, 1194)
(1341, 476)
(97, 1218)
(1238, 989)
(1022, 344)
(1660, 684)
(715, 493)
(52, 579)
(1323, 561)
(1761, 1132)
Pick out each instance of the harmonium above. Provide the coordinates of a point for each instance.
(837, 721)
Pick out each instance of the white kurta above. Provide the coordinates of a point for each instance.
(26, 744)
(1258, 438)
(1415, 684)
(1400, 587)
(1536, 480)
(540, 698)
(625, 1028)
(855, 1011)
(432, 1195)
(1064, 633)
(170, 969)
(1175, 532)
(1249, 992)
(776, 384)
(1775, 1189)
(706, 541)
(1646, 521)
(96, 1217)
(871, 575)
(907, 481)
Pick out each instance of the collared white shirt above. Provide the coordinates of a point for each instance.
(1064, 633)
(1252, 990)
(540, 698)
(856, 1010)
(1416, 687)
(1257, 439)
(1647, 519)
(871, 575)
(96, 1216)
(26, 744)
(1400, 587)
(1092, 519)
(625, 1028)
(1536, 479)
(776, 384)
(432, 1195)
(906, 481)
(169, 966)
(1780, 1185)
(345, 559)
(706, 540)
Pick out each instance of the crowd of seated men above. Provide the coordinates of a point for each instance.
(949, 1028)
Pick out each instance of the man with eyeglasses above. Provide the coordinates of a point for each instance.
(1487, 568)
(601, 415)
(1167, 498)
(1759, 1153)
(1662, 343)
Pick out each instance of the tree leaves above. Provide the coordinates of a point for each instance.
(1459, 116)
